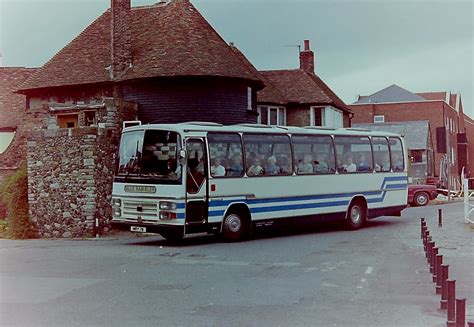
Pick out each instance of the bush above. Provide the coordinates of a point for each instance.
(14, 193)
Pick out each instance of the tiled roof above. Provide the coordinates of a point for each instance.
(393, 93)
(299, 86)
(12, 104)
(167, 40)
(13, 114)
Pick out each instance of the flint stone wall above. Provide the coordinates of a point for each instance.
(70, 175)
(70, 172)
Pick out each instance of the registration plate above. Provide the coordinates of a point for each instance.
(138, 229)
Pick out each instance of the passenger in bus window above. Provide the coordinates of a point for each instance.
(397, 162)
(236, 168)
(383, 164)
(321, 167)
(363, 164)
(306, 167)
(349, 166)
(272, 168)
(255, 169)
(217, 169)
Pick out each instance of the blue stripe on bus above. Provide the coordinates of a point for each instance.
(285, 207)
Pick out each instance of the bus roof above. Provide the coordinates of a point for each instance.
(190, 127)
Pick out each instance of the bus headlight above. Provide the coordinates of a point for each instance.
(165, 215)
(167, 205)
(117, 212)
(116, 203)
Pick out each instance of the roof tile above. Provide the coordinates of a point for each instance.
(167, 40)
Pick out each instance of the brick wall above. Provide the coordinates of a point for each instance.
(298, 116)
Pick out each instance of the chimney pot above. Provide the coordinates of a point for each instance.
(307, 58)
(306, 45)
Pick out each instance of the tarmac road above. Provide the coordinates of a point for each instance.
(318, 276)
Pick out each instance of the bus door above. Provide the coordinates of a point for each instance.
(196, 183)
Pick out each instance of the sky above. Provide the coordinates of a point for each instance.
(361, 46)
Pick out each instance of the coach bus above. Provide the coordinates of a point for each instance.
(197, 177)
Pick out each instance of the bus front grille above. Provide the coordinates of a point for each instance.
(140, 209)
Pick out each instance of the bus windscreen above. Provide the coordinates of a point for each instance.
(150, 154)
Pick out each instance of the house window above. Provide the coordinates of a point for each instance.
(249, 98)
(379, 119)
(416, 156)
(268, 115)
(327, 117)
(89, 118)
(317, 116)
(5, 139)
(67, 121)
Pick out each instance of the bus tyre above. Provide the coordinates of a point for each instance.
(234, 227)
(172, 235)
(356, 215)
(421, 199)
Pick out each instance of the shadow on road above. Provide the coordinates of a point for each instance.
(263, 233)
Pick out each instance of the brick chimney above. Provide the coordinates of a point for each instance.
(121, 36)
(307, 58)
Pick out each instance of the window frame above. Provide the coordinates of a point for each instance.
(241, 149)
(330, 171)
(268, 108)
(382, 117)
(371, 171)
(246, 167)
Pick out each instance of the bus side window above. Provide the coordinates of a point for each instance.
(396, 151)
(381, 154)
(226, 155)
(267, 155)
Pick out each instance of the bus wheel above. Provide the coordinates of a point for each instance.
(172, 235)
(356, 215)
(234, 227)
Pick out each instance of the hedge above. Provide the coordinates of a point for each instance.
(14, 193)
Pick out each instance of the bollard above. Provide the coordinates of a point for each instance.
(440, 217)
(434, 253)
(444, 287)
(460, 312)
(439, 273)
(432, 246)
(451, 314)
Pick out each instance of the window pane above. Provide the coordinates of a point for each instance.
(354, 154)
(264, 116)
(196, 166)
(226, 155)
(273, 116)
(160, 154)
(281, 117)
(381, 154)
(396, 151)
(314, 154)
(318, 117)
(267, 154)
